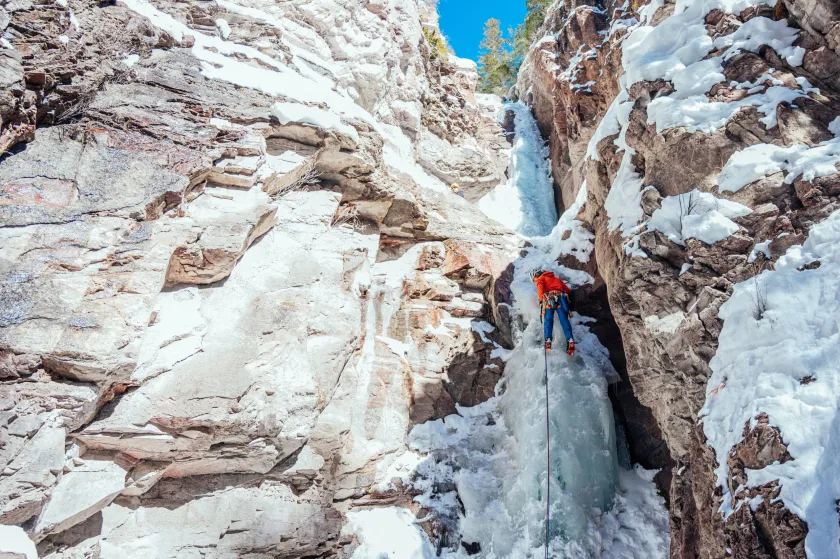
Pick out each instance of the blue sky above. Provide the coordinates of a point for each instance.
(462, 21)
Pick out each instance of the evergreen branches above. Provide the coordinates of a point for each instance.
(501, 56)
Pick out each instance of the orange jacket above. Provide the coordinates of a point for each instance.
(549, 282)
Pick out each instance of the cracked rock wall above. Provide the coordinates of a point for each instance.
(232, 275)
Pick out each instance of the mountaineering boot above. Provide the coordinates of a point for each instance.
(570, 347)
(547, 345)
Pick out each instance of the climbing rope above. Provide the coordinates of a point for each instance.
(548, 461)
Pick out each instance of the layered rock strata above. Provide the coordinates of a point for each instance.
(231, 279)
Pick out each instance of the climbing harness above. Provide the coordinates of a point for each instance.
(548, 461)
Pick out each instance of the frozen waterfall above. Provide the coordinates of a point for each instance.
(495, 454)
(485, 468)
(525, 203)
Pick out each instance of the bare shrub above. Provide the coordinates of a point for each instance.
(75, 110)
(759, 304)
(80, 105)
(346, 214)
(693, 203)
(308, 176)
(759, 298)
(688, 205)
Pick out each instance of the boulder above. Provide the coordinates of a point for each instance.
(80, 493)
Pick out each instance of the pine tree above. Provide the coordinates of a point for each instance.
(501, 57)
(493, 64)
(535, 18)
(518, 46)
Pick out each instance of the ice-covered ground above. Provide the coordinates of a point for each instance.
(495, 454)
(525, 202)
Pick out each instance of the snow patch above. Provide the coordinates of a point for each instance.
(668, 324)
(624, 200)
(699, 114)
(755, 162)
(401, 468)
(482, 328)
(696, 215)
(224, 27)
(834, 126)
(305, 114)
(760, 31)
(389, 532)
(760, 248)
(14, 541)
(610, 124)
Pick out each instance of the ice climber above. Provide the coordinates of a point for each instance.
(554, 296)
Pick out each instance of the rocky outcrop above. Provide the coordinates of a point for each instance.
(569, 82)
(665, 288)
(228, 287)
(471, 153)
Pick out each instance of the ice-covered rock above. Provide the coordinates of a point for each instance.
(224, 254)
(701, 136)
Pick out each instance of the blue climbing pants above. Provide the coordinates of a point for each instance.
(562, 310)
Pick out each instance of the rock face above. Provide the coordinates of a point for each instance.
(233, 275)
(230, 276)
(600, 104)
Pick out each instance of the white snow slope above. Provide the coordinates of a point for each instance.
(759, 367)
